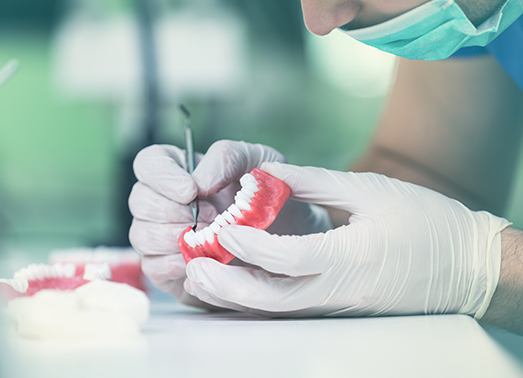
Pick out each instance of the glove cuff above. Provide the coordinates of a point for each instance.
(492, 260)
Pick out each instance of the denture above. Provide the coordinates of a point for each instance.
(72, 268)
(37, 277)
(257, 204)
(124, 265)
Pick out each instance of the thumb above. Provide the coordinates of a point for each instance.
(342, 190)
(226, 161)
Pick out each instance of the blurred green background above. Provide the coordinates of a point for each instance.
(68, 132)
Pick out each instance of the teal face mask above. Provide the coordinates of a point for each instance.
(436, 30)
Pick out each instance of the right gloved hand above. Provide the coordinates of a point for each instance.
(159, 204)
(407, 250)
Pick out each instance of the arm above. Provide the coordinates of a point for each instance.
(506, 308)
(429, 135)
(452, 126)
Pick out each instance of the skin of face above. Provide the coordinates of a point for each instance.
(323, 16)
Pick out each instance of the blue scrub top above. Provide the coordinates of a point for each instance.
(506, 48)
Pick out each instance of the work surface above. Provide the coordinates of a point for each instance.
(183, 343)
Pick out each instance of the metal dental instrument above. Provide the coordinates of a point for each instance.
(189, 160)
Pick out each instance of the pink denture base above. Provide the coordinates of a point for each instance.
(265, 206)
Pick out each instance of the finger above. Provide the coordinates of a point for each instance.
(162, 270)
(290, 255)
(226, 161)
(161, 167)
(147, 205)
(152, 239)
(252, 288)
(167, 273)
(196, 291)
(343, 190)
(192, 301)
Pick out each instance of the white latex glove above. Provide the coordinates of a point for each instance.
(159, 201)
(407, 250)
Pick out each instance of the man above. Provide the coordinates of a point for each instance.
(450, 125)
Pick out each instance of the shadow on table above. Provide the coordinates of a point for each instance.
(510, 342)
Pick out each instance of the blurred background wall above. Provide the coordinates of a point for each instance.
(73, 117)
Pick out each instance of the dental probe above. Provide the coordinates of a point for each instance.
(189, 160)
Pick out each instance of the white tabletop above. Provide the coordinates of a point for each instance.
(178, 342)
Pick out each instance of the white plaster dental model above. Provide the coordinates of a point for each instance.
(53, 303)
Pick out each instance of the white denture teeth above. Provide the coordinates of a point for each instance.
(19, 285)
(40, 271)
(64, 270)
(215, 227)
(234, 210)
(244, 196)
(209, 235)
(94, 272)
(200, 237)
(251, 186)
(248, 192)
(220, 219)
(241, 203)
(20, 281)
(228, 217)
(249, 181)
(190, 238)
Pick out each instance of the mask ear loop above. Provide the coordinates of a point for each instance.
(8, 71)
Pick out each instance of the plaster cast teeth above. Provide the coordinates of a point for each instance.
(190, 238)
(241, 203)
(200, 237)
(220, 220)
(234, 210)
(209, 235)
(228, 217)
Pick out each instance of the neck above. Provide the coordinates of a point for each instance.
(479, 10)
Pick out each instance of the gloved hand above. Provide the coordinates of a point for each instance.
(407, 250)
(159, 202)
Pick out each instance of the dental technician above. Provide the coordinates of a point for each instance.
(419, 231)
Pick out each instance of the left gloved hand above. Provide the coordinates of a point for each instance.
(407, 250)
